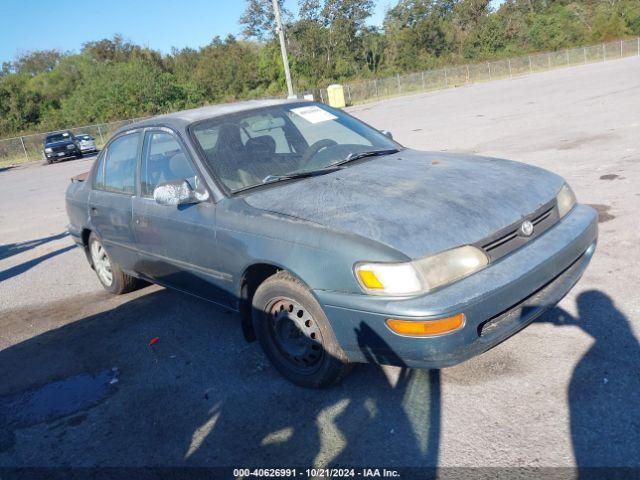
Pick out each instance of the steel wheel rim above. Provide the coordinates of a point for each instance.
(296, 334)
(101, 263)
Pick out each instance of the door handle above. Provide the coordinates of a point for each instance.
(94, 210)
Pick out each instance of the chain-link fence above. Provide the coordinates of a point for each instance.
(29, 147)
(380, 88)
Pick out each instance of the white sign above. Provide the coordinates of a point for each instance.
(313, 114)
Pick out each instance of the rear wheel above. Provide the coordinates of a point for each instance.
(295, 333)
(111, 276)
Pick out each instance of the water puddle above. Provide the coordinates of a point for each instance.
(57, 399)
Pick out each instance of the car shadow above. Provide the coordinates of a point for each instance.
(23, 267)
(604, 392)
(185, 389)
(9, 249)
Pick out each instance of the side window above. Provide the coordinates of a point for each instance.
(98, 180)
(120, 164)
(164, 161)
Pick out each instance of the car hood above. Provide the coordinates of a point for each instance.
(418, 203)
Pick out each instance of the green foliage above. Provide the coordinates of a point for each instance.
(328, 41)
(258, 19)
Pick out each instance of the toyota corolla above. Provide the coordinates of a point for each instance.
(336, 244)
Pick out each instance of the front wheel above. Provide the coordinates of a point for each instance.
(111, 276)
(295, 334)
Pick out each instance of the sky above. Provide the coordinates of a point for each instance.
(158, 24)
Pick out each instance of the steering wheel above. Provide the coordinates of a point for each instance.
(314, 149)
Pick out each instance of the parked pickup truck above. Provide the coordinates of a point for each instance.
(60, 145)
(335, 243)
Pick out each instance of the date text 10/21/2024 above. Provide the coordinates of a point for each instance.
(316, 473)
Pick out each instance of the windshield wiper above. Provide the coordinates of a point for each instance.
(370, 153)
(302, 174)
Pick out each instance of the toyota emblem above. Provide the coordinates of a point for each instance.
(526, 229)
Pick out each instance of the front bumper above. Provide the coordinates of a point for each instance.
(62, 155)
(497, 302)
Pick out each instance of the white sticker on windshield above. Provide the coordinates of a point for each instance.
(313, 114)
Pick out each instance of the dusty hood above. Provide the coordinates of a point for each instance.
(418, 203)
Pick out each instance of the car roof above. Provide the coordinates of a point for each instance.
(186, 117)
(60, 132)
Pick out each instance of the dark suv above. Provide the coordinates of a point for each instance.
(60, 145)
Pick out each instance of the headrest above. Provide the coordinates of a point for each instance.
(229, 137)
(264, 146)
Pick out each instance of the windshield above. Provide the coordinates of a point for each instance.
(270, 144)
(59, 137)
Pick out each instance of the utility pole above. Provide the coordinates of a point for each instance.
(283, 48)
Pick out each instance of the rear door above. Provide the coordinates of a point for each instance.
(177, 244)
(110, 201)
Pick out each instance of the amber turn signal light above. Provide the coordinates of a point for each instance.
(426, 328)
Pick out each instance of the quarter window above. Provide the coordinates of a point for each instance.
(164, 160)
(120, 165)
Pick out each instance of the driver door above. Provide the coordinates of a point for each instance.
(177, 244)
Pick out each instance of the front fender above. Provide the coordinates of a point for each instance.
(322, 258)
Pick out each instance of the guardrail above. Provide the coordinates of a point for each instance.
(29, 147)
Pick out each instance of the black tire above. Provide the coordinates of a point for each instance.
(78, 155)
(295, 334)
(120, 281)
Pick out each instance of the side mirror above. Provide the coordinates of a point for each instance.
(387, 134)
(177, 192)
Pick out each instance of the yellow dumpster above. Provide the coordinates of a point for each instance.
(336, 96)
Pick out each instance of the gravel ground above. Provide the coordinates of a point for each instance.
(80, 385)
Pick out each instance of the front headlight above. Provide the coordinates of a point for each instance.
(48, 150)
(422, 275)
(565, 200)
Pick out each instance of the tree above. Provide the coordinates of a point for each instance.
(19, 104)
(33, 63)
(327, 40)
(109, 50)
(258, 20)
(419, 32)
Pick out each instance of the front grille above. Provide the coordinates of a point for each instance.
(509, 239)
(62, 148)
